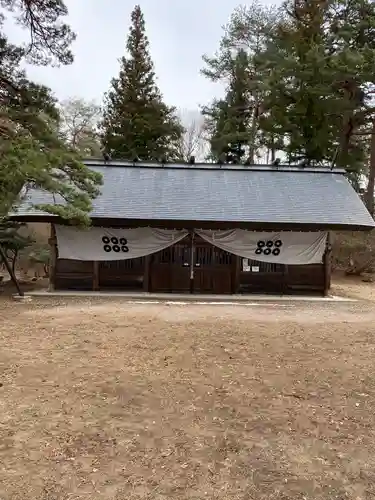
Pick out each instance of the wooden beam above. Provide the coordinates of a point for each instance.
(237, 262)
(183, 224)
(285, 279)
(327, 263)
(95, 275)
(146, 274)
(53, 259)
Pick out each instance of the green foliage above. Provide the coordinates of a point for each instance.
(315, 67)
(32, 153)
(12, 241)
(249, 29)
(310, 80)
(50, 38)
(235, 119)
(40, 254)
(137, 123)
(297, 88)
(229, 119)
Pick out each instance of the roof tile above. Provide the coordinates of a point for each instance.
(292, 196)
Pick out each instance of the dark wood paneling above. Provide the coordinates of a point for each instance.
(168, 271)
(262, 277)
(211, 280)
(281, 279)
(73, 275)
(146, 276)
(213, 269)
(95, 276)
(310, 278)
(170, 268)
(327, 261)
(122, 274)
(53, 258)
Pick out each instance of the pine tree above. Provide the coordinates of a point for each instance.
(245, 35)
(229, 120)
(315, 69)
(296, 89)
(32, 153)
(137, 123)
(13, 241)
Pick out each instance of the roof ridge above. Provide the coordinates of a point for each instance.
(93, 162)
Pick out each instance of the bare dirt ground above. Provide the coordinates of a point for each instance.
(351, 286)
(105, 400)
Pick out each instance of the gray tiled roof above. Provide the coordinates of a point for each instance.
(208, 193)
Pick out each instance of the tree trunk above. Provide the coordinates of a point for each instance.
(14, 260)
(273, 150)
(253, 132)
(369, 197)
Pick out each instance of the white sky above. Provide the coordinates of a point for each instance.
(180, 32)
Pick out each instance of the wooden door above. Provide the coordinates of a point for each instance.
(213, 269)
(170, 268)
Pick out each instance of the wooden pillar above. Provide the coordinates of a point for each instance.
(95, 275)
(146, 274)
(285, 279)
(327, 264)
(53, 258)
(236, 274)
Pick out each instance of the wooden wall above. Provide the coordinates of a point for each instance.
(169, 271)
(264, 277)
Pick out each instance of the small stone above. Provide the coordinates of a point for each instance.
(21, 298)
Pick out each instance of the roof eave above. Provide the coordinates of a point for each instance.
(251, 225)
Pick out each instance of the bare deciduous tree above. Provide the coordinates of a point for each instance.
(193, 141)
(79, 120)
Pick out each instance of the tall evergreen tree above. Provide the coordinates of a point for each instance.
(137, 123)
(316, 68)
(245, 36)
(229, 120)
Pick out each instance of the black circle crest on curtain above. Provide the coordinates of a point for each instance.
(268, 247)
(113, 244)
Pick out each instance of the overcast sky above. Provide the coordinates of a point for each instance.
(180, 31)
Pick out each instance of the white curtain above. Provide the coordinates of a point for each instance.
(98, 243)
(279, 248)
